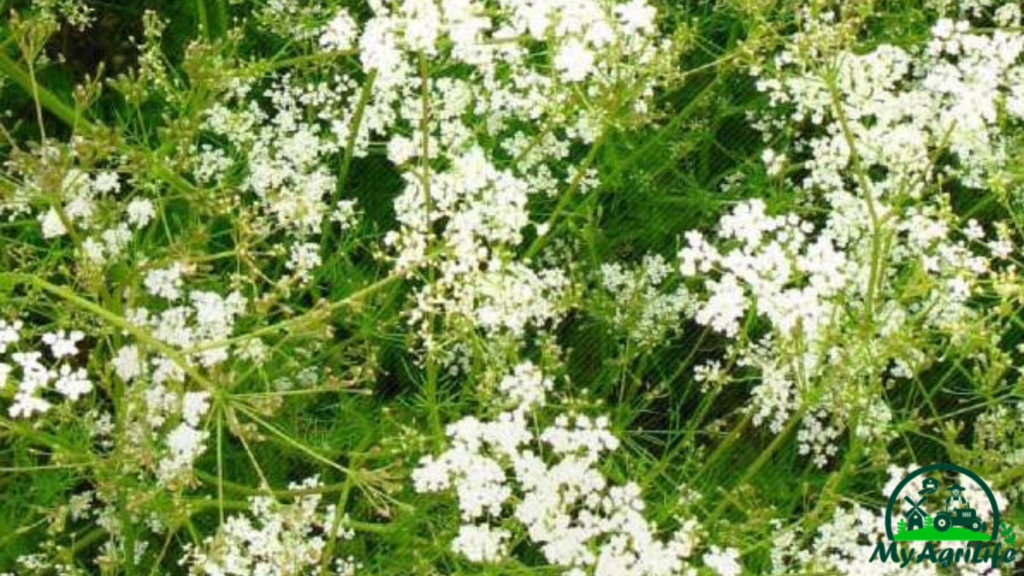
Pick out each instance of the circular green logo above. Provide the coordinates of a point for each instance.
(964, 518)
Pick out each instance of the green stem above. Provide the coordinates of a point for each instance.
(776, 443)
(292, 442)
(47, 99)
(357, 121)
(866, 188)
(350, 143)
(204, 20)
(339, 514)
(70, 116)
(318, 313)
(566, 197)
(114, 320)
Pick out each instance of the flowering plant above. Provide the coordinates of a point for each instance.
(587, 287)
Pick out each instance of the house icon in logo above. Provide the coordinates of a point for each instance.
(915, 516)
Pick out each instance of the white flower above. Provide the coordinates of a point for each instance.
(94, 251)
(127, 363)
(72, 383)
(340, 32)
(304, 259)
(773, 161)
(53, 226)
(184, 444)
(725, 307)
(526, 386)
(63, 343)
(106, 182)
(574, 60)
(481, 543)
(723, 562)
(193, 406)
(643, 306)
(26, 404)
(9, 333)
(636, 16)
(35, 378)
(165, 283)
(140, 212)
(344, 213)
(401, 150)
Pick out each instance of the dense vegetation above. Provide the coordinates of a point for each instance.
(583, 287)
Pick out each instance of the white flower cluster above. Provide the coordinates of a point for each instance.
(285, 146)
(186, 441)
(273, 539)
(644, 304)
(808, 284)
(847, 300)
(31, 378)
(506, 472)
(87, 201)
(76, 13)
(280, 141)
(843, 546)
(451, 80)
(164, 427)
(723, 562)
(196, 320)
(786, 273)
(164, 420)
(1002, 12)
(340, 33)
(447, 86)
(903, 106)
(505, 297)
(80, 194)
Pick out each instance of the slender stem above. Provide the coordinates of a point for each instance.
(339, 514)
(318, 313)
(35, 94)
(433, 410)
(567, 196)
(115, 320)
(292, 442)
(866, 188)
(220, 461)
(754, 468)
(350, 144)
(204, 19)
(353, 131)
(223, 15)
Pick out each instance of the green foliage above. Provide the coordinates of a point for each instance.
(1009, 538)
(347, 392)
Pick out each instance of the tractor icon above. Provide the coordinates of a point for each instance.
(965, 517)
